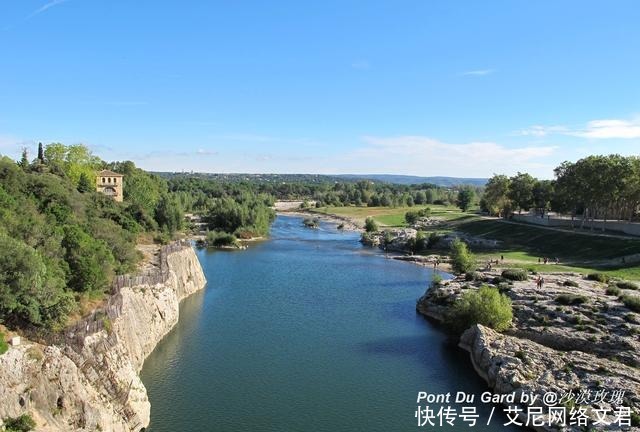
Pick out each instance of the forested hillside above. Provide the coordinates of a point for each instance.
(60, 241)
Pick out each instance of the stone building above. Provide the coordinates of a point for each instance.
(110, 183)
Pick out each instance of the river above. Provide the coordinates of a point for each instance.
(308, 331)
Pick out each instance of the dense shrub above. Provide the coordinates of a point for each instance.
(3, 344)
(24, 423)
(627, 285)
(484, 306)
(433, 240)
(220, 239)
(248, 213)
(570, 283)
(56, 241)
(612, 291)
(632, 302)
(462, 261)
(310, 223)
(473, 277)
(571, 299)
(411, 217)
(370, 225)
(598, 277)
(515, 274)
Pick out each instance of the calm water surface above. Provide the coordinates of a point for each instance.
(308, 331)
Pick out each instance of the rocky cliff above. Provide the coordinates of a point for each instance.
(87, 379)
(571, 336)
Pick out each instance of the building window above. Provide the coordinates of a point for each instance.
(103, 180)
(109, 179)
(115, 180)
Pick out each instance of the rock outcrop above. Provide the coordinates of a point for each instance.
(571, 335)
(87, 379)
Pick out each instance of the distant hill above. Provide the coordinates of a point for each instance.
(407, 179)
(320, 178)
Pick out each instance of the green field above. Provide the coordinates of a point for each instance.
(521, 244)
(390, 216)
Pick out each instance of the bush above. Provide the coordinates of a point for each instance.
(598, 277)
(462, 261)
(24, 423)
(571, 299)
(473, 277)
(570, 283)
(433, 240)
(515, 274)
(370, 225)
(504, 287)
(310, 223)
(3, 344)
(632, 302)
(627, 285)
(221, 239)
(411, 217)
(613, 291)
(484, 306)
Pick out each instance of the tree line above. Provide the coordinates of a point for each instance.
(595, 187)
(336, 193)
(61, 241)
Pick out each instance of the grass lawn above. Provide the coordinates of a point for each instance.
(536, 242)
(522, 244)
(390, 216)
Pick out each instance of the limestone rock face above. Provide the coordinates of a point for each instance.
(88, 380)
(569, 335)
(510, 364)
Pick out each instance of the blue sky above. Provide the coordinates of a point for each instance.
(459, 88)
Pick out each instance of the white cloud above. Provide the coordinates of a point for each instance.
(540, 131)
(205, 152)
(46, 7)
(595, 129)
(420, 155)
(478, 72)
(603, 129)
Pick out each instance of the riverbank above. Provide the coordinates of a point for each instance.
(86, 378)
(521, 245)
(349, 224)
(572, 335)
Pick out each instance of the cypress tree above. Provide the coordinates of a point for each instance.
(84, 184)
(24, 160)
(40, 153)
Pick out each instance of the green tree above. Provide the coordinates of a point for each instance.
(370, 225)
(542, 195)
(496, 197)
(521, 191)
(486, 306)
(90, 262)
(28, 292)
(24, 160)
(466, 196)
(84, 184)
(411, 217)
(40, 153)
(462, 261)
(168, 214)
